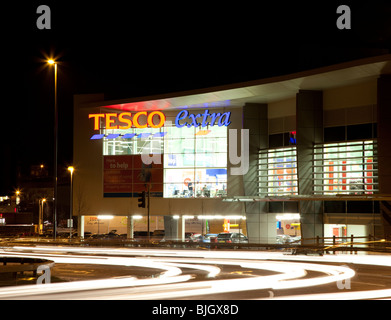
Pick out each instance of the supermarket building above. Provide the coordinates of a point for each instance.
(304, 154)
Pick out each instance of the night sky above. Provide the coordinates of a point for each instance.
(126, 49)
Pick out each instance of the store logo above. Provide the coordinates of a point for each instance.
(125, 121)
(221, 119)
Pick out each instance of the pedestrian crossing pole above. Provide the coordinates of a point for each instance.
(149, 196)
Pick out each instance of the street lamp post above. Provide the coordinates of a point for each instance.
(70, 224)
(17, 198)
(52, 62)
(40, 222)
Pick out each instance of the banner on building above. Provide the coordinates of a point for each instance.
(127, 176)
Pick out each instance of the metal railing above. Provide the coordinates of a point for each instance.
(316, 245)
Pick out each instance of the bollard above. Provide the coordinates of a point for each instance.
(334, 244)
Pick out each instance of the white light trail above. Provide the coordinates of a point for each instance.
(173, 284)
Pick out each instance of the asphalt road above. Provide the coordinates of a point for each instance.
(148, 274)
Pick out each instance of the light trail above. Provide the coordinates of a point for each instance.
(172, 284)
(77, 286)
(371, 259)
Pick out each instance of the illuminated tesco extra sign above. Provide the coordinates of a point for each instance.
(125, 120)
(156, 119)
(184, 118)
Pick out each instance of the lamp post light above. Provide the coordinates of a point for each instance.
(17, 197)
(40, 219)
(70, 221)
(52, 62)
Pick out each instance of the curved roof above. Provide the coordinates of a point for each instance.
(260, 91)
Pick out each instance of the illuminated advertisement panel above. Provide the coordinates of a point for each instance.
(127, 175)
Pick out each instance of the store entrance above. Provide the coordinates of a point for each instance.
(288, 228)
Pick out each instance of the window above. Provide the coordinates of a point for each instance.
(133, 141)
(350, 132)
(195, 162)
(278, 172)
(345, 168)
(194, 159)
(282, 139)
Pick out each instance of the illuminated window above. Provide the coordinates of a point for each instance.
(195, 162)
(133, 141)
(346, 168)
(194, 159)
(278, 172)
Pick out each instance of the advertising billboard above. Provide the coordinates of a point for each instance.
(127, 176)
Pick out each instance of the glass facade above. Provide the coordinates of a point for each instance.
(278, 172)
(194, 159)
(133, 141)
(195, 162)
(345, 168)
(338, 168)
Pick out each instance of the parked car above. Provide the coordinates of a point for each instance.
(191, 236)
(207, 237)
(112, 235)
(282, 239)
(232, 237)
(287, 239)
(158, 235)
(87, 235)
(97, 236)
(296, 240)
(142, 235)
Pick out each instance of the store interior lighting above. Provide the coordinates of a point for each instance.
(288, 216)
(215, 217)
(105, 217)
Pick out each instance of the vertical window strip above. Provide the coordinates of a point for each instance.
(277, 172)
(345, 168)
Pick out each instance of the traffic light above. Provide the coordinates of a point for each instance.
(141, 200)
